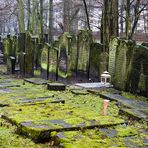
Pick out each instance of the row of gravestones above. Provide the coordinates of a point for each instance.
(128, 65)
(66, 58)
(23, 52)
(72, 57)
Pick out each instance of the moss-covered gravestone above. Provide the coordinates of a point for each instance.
(53, 63)
(84, 41)
(65, 54)
(29, 56)
(112, 55)
(6, 49)
(26, 54)
(139, 70)
(95, 59)
(21, 49)
(45, 61)
(122, 64)
(10, 46)
(36, 46)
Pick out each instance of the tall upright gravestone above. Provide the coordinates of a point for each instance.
(8, 50)
(139, 70)
(98, 61)
(64, 56)
(26, 52)
(112, 56)
(84, 41)
(122, 69)
(45, 61)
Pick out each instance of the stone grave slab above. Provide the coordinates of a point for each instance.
(130, 103)
(56, 86)
(135, 108)
(37, 81)
(31, 101)
(94, 85)
(80, 92)
(103, 137)
(135, 113)
(41, 120)
(40, 100)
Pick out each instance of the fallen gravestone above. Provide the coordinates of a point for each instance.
(41, 120)
(37, 81)
(94, 85)
(132, 107)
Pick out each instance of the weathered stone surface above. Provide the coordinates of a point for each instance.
(135, 108)
(139, 70)
(135, 113)
(112, 56)
(37, 81)
(84, 43)
(95, 62)
(122, 67)
(56, 86)
(79, 92)
(21, 49)
(41, 120)
(29, 56)
(111, 137)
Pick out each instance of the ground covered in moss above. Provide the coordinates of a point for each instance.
(78, 121)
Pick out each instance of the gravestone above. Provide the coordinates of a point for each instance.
(53, 63)
(36, 46)
(139, 70)
(83, 46)
(26, 54)
(29, 56)
(64, 56)
(13, 53)
(21, 49)
(123, 64)
(10, 54)
(95, 52)
(112, 56)
(45, 61)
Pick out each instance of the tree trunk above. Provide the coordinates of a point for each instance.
(109, 22)
(28, 13)
(87, 15)
(41, 20)
(66, 16)
(50, 21)
(127, 25)
(21, 16)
